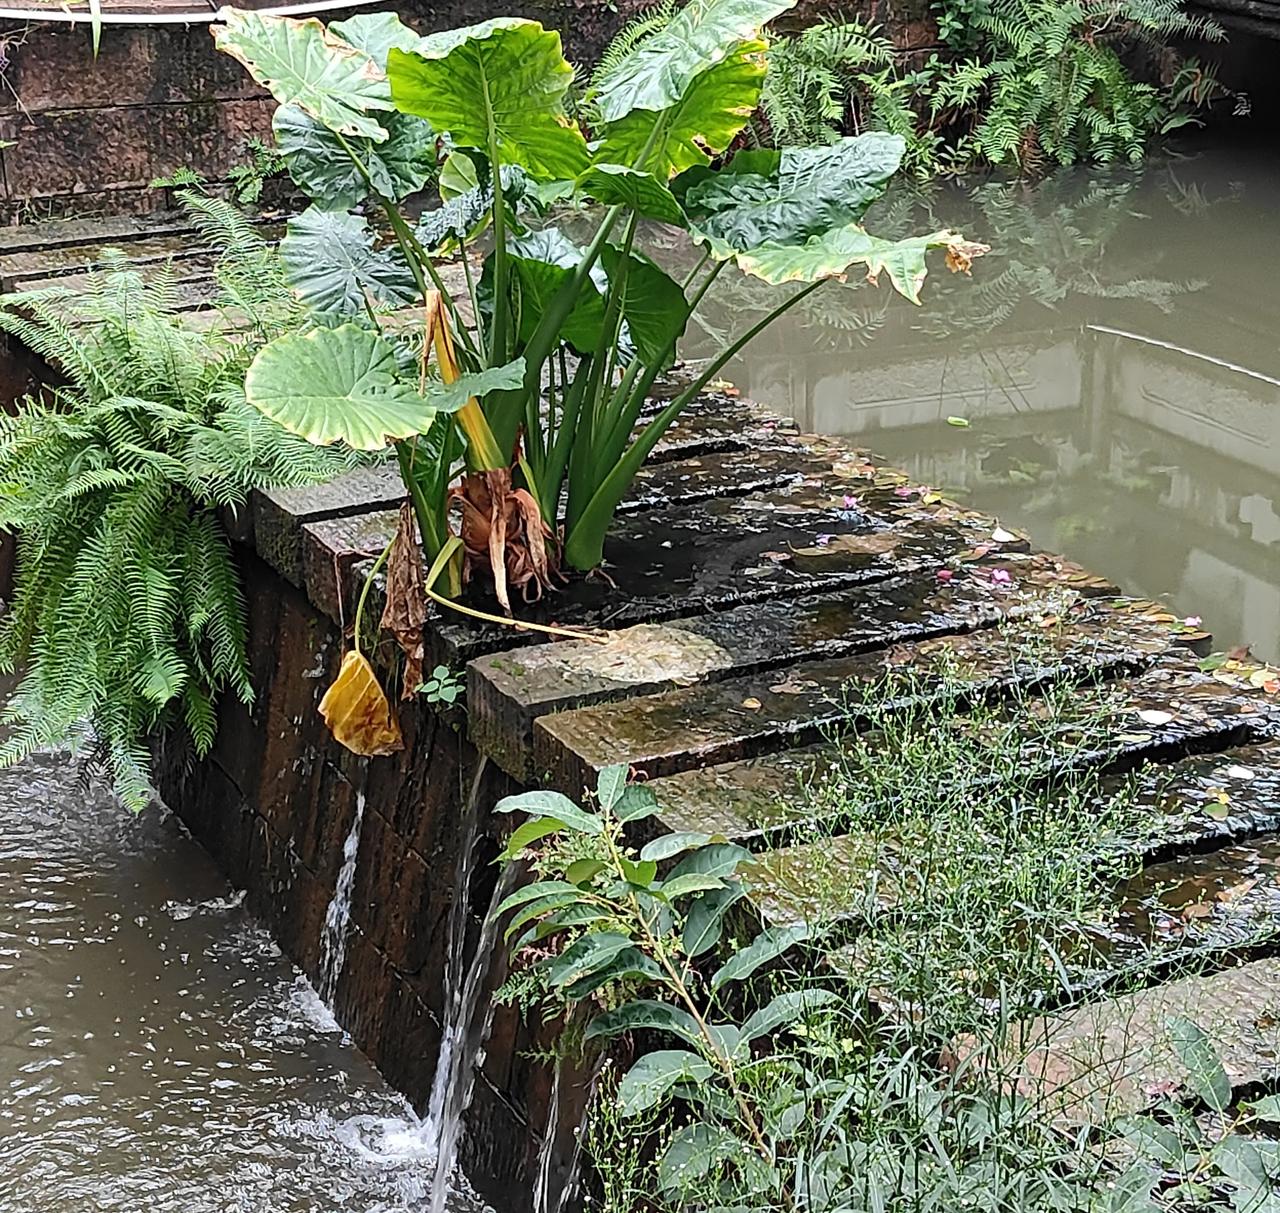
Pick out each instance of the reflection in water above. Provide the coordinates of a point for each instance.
(1116, 359)
(156, 1051)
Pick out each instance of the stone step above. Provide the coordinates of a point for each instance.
(507, 692)
(1117, 1057)
(767, 800)
(306, 528)
(741, 717)
(1199, 896)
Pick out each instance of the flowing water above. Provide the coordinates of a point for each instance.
(337, 915)
(157, 1052)
(1115, 359)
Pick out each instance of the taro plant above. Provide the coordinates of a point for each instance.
(544, 351)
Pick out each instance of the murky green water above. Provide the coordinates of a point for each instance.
(1115, 357)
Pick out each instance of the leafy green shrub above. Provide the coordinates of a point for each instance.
(1050, 84)
(1027, 84)
(127, 613)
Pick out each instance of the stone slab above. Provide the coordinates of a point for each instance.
(716, 554)
(740, 717)
(348, 534)
(507, 692)
(1117, 1057)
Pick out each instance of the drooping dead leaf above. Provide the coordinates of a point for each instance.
(405, 614)
(357, 711)
(877, 543)
(962, 253)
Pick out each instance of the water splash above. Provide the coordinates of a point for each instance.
(337, 917)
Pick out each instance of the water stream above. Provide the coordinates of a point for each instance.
(156, 1050)
(469, 1025)
(337, 916)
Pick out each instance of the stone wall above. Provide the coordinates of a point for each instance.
(89, 134)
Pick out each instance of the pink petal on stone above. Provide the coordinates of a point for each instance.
(905, 490)
(1000, 576)
(944, 574)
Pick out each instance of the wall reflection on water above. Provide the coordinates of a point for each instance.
(1115, 356)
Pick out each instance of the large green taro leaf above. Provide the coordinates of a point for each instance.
(302, 64)
(333, 266)
(336, 385)
(659, 73)
(653, 305)
(375, 34)
(788, 196)
(832, 254)
(542, 263)
(320, 166)
(503, 80)
(709, 116)
(644, 193)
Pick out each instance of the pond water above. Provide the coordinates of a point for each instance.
(1115, 358)
(157, 1053)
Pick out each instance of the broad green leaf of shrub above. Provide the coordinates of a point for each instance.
(831, 256)
(635, 804)
(333, 266)
(1205, 1073)
(652, 1077)
(629, 965)
(783, 1010)
(502, 80)
(692, 1153)
(301, 63)
(702, 123)
(660, 72)
(542, 803)
(787, 196)
(586, 954)
(645, 1014)
(671, 845)
(610, 784)
(643, 193)
(768, 945)
(401, 164)
(704, 923)
(336, 385)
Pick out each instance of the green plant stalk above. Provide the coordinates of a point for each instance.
(584, 544)
(746, 1114)
(364, 596)
(498, 330)
(433, 527)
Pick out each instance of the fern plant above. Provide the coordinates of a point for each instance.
(812, 78)
(1050, 83)
(127, 613)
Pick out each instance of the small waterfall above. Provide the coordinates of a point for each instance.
(546, 1198)
(468, 1031)
(455, 956)
(337, 918)
(542, 1202)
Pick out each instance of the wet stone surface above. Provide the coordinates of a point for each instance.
(507, 692)
(739, 717)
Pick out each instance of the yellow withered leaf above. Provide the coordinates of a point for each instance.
(356, 709)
